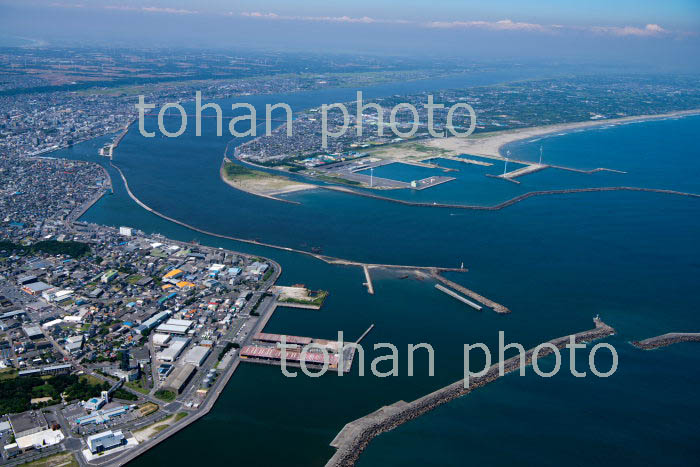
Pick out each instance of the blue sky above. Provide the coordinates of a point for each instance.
(672, 13)
(603, 30)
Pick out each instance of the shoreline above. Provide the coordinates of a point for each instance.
(272, 195)
(355, 436)
(490, 144)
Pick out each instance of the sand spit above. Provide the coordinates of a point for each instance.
(266, 187)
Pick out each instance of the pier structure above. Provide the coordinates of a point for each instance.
(464, 160)
(528, 169)
(368, 279)
(497, 307)
(458, 297)
(364, 334)
(312, 352)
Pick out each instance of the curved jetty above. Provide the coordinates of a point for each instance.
(324, 258)
(356, 435)
(667, 339)
(512, 201)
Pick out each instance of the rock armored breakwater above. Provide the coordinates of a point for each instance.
(667, 339)
(356, 435)
(512, 201)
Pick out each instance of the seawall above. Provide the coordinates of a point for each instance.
(512, 201)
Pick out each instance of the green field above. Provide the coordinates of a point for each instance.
(235, 171)
(166, 396)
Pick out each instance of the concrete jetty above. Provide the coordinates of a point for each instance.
(497, 307)
(458, 297)
(356, 435)
(364, 334)
(528, 169)
(465, 160)
(667, 339)
(368, 278)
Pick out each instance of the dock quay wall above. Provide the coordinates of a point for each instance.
(356, 435)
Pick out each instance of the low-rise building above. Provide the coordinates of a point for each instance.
(105, 441)
(179, 378)
(197, 355)
(27, 423)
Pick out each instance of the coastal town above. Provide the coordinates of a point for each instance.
(110, 338)
(115, 337)
(53, 99)
(498, 108)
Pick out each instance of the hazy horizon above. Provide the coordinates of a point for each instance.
(639, 33)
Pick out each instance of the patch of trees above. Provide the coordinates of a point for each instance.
(51, 247)
(16, 394)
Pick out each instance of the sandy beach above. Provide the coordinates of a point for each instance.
(267, 187)
(490, 144)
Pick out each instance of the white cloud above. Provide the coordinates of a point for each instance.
(325, 19)
(150, 9)
(648, 30)
(169, 10)
(503, 25)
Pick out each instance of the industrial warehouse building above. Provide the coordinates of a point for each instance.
(153, 321)
(177, 345)
(27, 423)
(175, 326)
(179, 378)
(197, 355)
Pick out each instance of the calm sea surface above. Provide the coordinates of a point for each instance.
(555, 261)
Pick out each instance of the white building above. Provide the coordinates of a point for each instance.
(177, 345)
(105, 441)
(126, 231)
(197, 355)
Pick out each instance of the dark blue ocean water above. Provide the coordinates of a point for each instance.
(554, 261)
